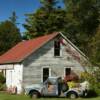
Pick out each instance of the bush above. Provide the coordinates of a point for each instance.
(94, 84)
(2, 79)
(2, 87)
(98, 92)
(92, 93)
(98, 88)
(2, 82)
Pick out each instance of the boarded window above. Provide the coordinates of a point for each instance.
(56, 48)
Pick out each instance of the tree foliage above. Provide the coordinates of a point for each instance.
(95, 48)
(83, 17)
(48, 18)
(9, 36)
(13, 18)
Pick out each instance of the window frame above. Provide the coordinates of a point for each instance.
(57, 50)
(42, 72)
(65, 70)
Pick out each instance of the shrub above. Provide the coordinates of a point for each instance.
(2, 82)
(94, 84)
(2, 87)
(2, 79)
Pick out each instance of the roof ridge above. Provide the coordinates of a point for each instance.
(75, 47)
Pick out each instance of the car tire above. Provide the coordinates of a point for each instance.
(72, 95)
(34, 94)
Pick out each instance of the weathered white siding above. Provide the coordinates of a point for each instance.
(44, 57)
(14, 77)
(6, 66)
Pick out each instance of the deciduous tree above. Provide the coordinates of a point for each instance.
(9, 36)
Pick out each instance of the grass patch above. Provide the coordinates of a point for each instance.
(5, 96)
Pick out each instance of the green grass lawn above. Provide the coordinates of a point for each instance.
(4, 96)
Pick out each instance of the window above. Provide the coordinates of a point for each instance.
(67, 71)
(56, 48)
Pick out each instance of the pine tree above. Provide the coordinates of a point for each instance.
(48, 5)
(83, 19)
(95, 48)
(48, 18)
(13, 18)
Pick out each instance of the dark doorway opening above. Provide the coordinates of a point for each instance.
(45, 74)
(67, 71)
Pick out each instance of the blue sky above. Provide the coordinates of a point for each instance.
(21, 7)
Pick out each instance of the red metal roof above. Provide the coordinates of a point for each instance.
(25, 48)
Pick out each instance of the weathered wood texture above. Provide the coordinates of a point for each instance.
(44, 57)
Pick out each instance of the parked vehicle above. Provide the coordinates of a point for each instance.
(54, 86)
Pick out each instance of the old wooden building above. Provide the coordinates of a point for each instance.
(32, 61)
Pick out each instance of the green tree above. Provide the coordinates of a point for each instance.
(95, 48)
(48, 18)
(9, 36)
(83, 19)
(48, 5)
(13, 18)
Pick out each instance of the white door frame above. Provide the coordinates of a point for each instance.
(42, 72)
(65, 70)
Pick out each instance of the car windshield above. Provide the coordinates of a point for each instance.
(53, 81)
